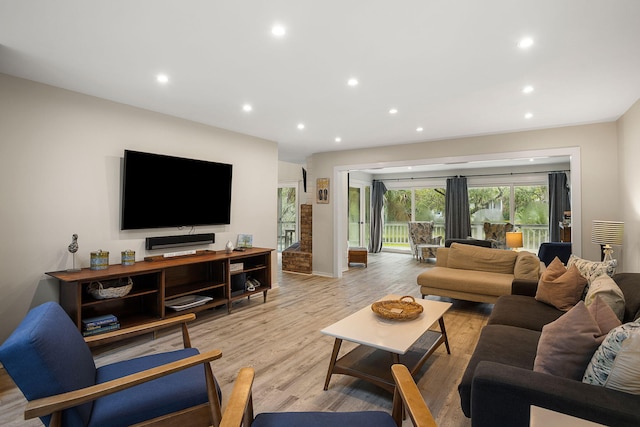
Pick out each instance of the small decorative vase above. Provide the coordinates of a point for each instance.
(228, 247)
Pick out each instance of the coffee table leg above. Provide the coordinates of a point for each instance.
(444, 334)
(332, 362)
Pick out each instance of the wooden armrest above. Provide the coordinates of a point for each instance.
(413, 401)
(49, 405)
(239, 410)
(132, 331)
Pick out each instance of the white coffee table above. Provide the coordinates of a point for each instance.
(386, 342)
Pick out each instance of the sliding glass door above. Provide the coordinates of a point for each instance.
(287, 216)
(359, 214)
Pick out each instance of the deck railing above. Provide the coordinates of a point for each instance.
(396, 235)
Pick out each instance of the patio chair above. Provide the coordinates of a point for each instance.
(407, 397)
(497, 233)
(421, 233)
(48, 359)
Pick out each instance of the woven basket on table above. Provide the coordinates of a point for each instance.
(112, 289)
(397, 309)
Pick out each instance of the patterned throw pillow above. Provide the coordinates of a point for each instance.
(600, 367)
(592, 269)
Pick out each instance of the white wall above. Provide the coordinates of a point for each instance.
(629, 179)
(597, 144)
(60, 162)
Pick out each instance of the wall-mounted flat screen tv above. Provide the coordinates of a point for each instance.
(166, 191)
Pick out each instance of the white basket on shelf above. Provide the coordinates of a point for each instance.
(111, 289)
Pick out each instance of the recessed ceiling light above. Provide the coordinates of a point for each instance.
(162, 78)
(247, 107)
(338, 139)
(352, 82)
(419, 129)
(528, 115)
(525, 43)
(300, 126)
(409, 167)
(527, 89)
(393, 111)
(278, 30)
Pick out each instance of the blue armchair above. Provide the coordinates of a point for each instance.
(48, 359)
(549, 250)
(239, 410)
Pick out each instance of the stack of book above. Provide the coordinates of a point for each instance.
(99, 324)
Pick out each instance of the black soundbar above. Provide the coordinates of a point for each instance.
(161, 242)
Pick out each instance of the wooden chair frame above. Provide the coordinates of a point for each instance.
(239, 410)
(201, 415)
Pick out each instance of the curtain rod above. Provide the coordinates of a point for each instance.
(471, 176)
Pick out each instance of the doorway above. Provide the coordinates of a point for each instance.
(287, 215)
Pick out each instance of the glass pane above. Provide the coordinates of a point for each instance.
(354, 216)
(286, 217)
(532, 215)
(430, 207)
(397, 211)
(367, 216)
(487, 204)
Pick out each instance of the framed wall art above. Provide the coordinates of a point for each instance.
(245, 241)
(322, 190)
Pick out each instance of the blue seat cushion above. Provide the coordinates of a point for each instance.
(162, 396)
(46, 355)
(324, 419)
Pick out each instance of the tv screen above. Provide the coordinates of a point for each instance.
(165, 191)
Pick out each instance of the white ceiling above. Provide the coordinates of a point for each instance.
(451, 67)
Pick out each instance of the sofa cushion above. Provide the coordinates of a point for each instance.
(501, 344)
(527, 266)
(469, 257)
(486, 283)
(601, 363)
(560, 287)
(567, 344)
(606, 288)
(523, 312)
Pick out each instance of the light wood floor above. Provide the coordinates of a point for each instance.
(282, 341)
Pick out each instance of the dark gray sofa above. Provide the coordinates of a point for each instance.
(499, 385)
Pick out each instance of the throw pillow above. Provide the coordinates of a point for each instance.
(625, 372)
(601, 363)
(603, 315)
(560, 287)
(567, 344)
(527, 266)
(592, 269)
(606, 288)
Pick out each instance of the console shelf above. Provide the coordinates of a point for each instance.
(206, 273)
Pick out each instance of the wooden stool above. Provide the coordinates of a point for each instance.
(358, 255)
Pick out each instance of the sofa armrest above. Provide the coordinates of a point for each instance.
(524, 287)
(502, 395)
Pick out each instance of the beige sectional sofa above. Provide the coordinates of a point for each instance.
(475, 273)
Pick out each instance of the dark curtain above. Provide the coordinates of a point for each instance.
(559, 202)
(377, 220)
(456, 207)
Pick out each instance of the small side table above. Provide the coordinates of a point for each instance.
(358, 255)
(427, 251)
